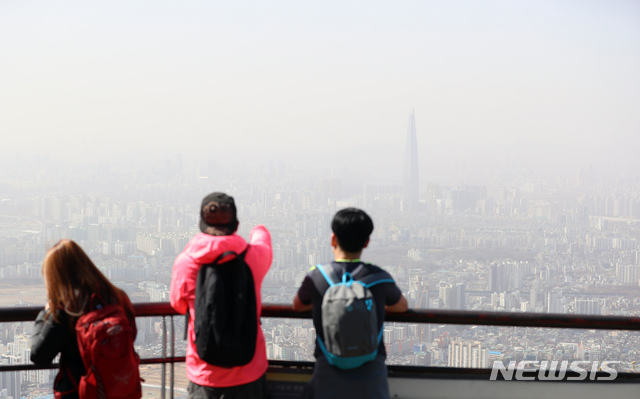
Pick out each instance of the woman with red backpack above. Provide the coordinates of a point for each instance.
(77, 291)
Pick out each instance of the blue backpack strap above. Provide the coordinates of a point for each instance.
(358, 271)
(375, 278)
(324, 277)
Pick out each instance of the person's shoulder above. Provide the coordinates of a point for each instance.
(314, 270)
(205, 248)
(122, 296)
(315, 277)
(337, 267)
(62, 317)
(374, 269)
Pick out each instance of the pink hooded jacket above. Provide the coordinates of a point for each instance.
(204, 248)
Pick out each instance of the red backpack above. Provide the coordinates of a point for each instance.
(105, 339)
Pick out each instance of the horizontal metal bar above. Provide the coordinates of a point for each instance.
(431, 316)
(148, 309)
(25, 367)
(30, 366)
(157, 360)
(475, 318)
(441, 316)
(8, 315)
(285, 311)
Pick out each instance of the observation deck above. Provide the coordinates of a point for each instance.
(287, 378)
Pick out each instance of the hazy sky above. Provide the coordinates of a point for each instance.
(537, 80)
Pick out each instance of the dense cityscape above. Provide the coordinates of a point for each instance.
(550, 244)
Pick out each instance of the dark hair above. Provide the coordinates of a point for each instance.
(352, 227)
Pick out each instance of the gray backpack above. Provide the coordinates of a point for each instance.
(349, 317)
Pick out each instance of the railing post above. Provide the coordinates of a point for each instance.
(173, 356)
(163, 380)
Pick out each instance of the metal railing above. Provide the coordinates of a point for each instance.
(430, 316)
(475, 318)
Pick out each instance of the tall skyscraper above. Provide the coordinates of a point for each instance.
(410, 187)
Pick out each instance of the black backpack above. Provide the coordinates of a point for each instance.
(226, 322)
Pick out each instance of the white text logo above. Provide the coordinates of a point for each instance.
(526, 370)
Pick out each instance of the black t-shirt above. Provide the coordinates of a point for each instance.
(384, 294)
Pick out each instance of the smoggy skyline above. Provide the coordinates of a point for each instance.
(495, 86)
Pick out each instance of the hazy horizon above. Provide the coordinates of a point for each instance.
(496, 87)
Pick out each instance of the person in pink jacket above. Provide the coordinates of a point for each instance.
(219, 223)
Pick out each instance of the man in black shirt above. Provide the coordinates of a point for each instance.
(351, 230)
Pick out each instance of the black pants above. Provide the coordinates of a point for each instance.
(253, 390)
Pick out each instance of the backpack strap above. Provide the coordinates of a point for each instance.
(371, 279)
(96, 302)
(227, 253)
(355, 274)
(325, 278)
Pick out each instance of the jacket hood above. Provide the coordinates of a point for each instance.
(205, 248)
